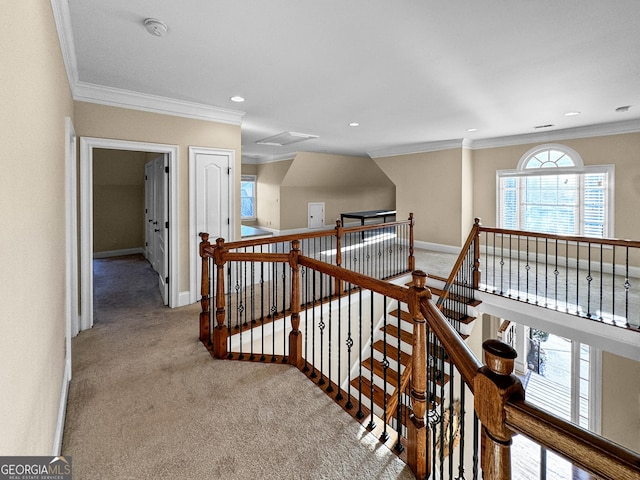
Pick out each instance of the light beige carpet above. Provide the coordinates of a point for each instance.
(148, 402)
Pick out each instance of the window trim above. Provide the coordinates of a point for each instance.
(579, 169)
(254, 179)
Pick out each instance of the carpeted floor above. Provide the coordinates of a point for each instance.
(148, 402)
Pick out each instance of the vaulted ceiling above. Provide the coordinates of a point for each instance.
(415, 74)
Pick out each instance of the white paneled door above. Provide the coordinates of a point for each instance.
(157, 220)
(210, 181)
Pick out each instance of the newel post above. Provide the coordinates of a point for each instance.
(412, 259)
(220, 332)
(476, 254)
(295, 337)
(494, 385)
(417, 429)
(339, 229)
(205, 314)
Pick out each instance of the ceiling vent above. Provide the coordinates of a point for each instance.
(286, 138)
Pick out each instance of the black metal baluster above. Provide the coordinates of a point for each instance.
(274, 309)
(239, 305)
(371, 425)
(451, 415)
(313, 322)
(476, 437)
(360, 413)
(627, 287)
(510, 267)
(601, 280)
(284, 312)
(262, 357)
(536, 264)
(349, 344)
(501, 264)
(305, 283)
(439, 377)
(398, 446)
(613, 286)
(229, 319)
(385, 366)
(321, 326)
(462, 431)
(566, 275)
(253, 306)
(577, 278)
(589, 279)
(329, 388)
(495, 283)
(546, 272)
(519, 238)
(556, 272)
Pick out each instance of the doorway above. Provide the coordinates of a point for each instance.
(87, 146)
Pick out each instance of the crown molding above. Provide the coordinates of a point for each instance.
(598, 130)
(417, 148)
(116, 97)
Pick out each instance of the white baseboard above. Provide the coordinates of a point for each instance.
(437, 247)
(118, 253)
(62, 410)
(184, 298)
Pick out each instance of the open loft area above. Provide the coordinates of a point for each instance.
(133, 127)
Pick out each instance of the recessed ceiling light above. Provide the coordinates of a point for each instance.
(623, 109)
(571, 114)
(472, 129)
(354, 124)
(237, 99)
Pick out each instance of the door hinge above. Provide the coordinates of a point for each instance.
(166, 280)
(166, 224)
(166, 169)
(146, 178)
(228, 221)
(146, 244)
(228, 170)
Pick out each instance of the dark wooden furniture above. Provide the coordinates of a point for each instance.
(367, 215)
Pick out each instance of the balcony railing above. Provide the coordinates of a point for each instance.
(434, 406)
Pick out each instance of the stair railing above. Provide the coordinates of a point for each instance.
(434, 432)
(593, 278)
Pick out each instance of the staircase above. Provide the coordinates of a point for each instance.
(394, 337)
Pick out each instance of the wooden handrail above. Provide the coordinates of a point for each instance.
(305, 235)
(588, 451)
(461, 257)
(569, 238)
(459, 352)
(379, 286)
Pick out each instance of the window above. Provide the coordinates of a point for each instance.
(248, 197)
(551, 191)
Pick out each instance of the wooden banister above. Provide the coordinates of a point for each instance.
(590, 452)
(205, 314)
(295, 336)
(220, 332)
(461, 355)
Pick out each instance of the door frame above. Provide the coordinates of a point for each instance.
(87, 144)
(194, 251)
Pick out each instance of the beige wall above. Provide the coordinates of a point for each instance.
(270, 176)
(35, 98)
(429, 185)
(93, 120)
(621, 400)
(118, 199)
(343, 183)
(620, 150)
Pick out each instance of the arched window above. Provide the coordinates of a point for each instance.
(551, 191)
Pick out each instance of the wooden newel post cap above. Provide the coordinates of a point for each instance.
(419, 279)
(499, 356)
(204, 236)
(219, 242)
(295, 244)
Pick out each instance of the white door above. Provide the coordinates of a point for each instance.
(212, 205)
(316, 215)
(161, 224)
(149, 210)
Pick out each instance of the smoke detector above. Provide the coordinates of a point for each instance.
(155, 27)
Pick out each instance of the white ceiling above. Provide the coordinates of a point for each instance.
(414, 73)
